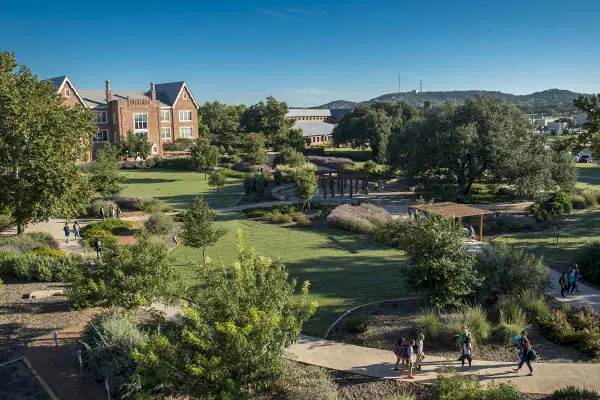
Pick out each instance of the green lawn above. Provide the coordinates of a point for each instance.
(589, 176)
(344, 269)
(180, 188)
(577, 231)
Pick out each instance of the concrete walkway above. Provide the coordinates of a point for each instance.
(547, 378)
(587, 296)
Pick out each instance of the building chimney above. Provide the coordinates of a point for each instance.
(108, 92)
(152, 91)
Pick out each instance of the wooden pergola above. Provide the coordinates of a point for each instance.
(354, 182)
(453, 210)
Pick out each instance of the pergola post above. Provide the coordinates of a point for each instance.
(356, 185)
(350, 187)
(481, 228)
(324, 186)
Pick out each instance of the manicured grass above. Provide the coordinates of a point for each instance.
(589, 176)
(180, 188)
(345, 270)
(576, 232)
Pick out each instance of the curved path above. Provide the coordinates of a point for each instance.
(376, 363)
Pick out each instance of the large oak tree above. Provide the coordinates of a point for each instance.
(40, 143)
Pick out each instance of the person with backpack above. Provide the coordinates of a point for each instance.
(466, 352)
(471, 233)
(67, 231)
(409, 357)
(76, 229)
(398, 351)
(111, 212)
(98, 247)
(420, 353)
(572, 281)
(563, 282)
(527, 355)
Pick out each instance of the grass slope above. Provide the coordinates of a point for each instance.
(345, 270)
(180, 188)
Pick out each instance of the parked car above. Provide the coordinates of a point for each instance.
(584, 158)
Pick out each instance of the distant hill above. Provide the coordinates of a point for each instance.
(547, 101)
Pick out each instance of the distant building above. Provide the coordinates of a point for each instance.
(557, 126)
(316, 124)
(580, 119)
(164, 113)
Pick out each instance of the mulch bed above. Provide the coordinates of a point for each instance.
(392, 320)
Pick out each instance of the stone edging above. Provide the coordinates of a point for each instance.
(361, 306)
(176, 243)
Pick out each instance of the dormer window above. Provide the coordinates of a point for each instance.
(67, 92)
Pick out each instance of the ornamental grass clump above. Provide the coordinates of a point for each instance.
(358, 219)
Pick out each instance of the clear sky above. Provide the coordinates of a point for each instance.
(310, 52)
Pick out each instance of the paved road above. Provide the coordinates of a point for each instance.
(547, 378)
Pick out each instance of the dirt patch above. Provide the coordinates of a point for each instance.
(392, 320)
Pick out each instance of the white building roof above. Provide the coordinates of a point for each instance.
(308, 112)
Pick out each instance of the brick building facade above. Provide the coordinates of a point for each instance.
(164, 113)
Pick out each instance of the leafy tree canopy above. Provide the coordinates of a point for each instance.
(198, 227)
(40, 143)
(103, 173)
(206, 156)
(135, 146)
(217, 179)
(256, 153)
(221, 120)
(234, 333)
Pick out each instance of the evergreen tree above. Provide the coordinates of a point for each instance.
(198, 227)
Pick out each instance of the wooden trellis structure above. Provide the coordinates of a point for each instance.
(341, 183)
(453, 210)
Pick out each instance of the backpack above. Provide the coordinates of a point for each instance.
(532, 355)
(405, 351)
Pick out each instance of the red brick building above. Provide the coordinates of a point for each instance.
(164, 113)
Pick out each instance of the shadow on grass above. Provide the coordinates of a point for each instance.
(150, 180)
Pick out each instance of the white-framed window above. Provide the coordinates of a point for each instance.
(165, 116)
(140, 124)
(185, 116)
(101, 136)
(165, 133)
(184, 95)
(67, 92)
(185, 132)
(100, 117)
(154, 149)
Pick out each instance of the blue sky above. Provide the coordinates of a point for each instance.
(310, 52)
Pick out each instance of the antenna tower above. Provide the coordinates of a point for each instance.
(421, 86)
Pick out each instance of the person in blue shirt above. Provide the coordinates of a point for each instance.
(572, 281)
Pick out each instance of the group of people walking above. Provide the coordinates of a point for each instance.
(75, 230)
(409, 353)
(568, 280)
(112, 212)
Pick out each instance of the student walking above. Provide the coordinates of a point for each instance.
(102, 213)
(467, 350)
(564, 284)
(410, 358)
(471, 233)
(572, 281)
(399, 351)
(98, 247)
(111, 212)
(76, 229)
(420, 353)
(118, 212)
(527, 355)
(67, 231)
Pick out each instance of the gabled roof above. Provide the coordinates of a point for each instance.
(308, 112)
(314, 128)
(166, 93)
(60, 81)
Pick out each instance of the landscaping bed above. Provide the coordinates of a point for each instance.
(387, 322)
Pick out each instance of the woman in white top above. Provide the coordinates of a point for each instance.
(420, 354)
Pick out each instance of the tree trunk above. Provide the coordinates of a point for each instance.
(204, 255)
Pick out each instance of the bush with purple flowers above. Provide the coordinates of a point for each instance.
(337, 163)
(358, 219)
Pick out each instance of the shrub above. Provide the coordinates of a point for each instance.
(289, 156)
(578, 201)
(369, 166)
(356, 324)
(48, 252)
(591, 197)
(560, 203)
(278, 218)
(557, 327)
(159, 224)
(5, 222)
(233, 174)
(574, 393)
(307, 382)
(28, 241)
(178, 145)
(501, 391)
(337, 163)
(255, 213)
(41, 269)
(358, 219)
(428, 323)
(585, 318)
(534, 303)
(134, 202)
(589, 263)
(152, 205)
(99, 203)
(104, 230)
(109, 340)
(512, 320)
(301, 219)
